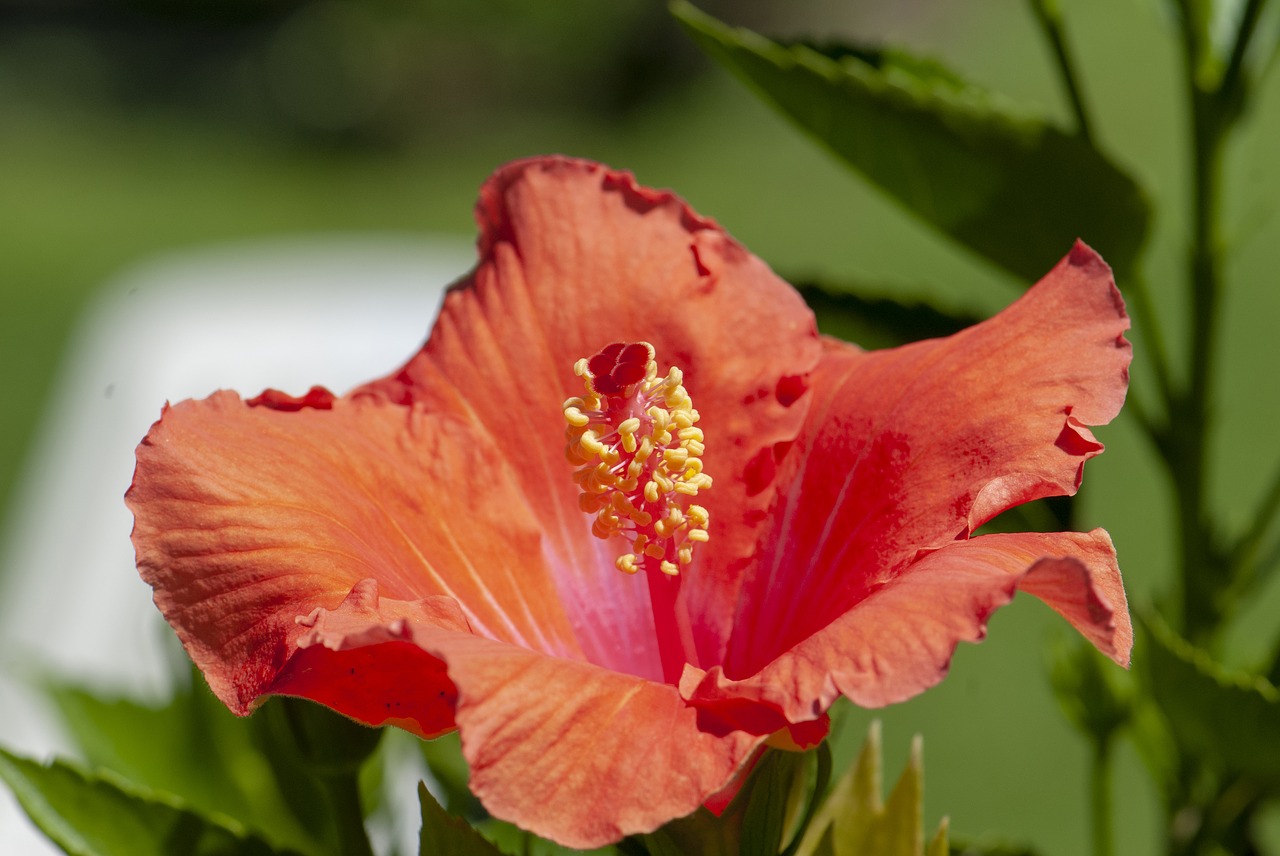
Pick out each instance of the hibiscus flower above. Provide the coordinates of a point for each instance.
(626, 515)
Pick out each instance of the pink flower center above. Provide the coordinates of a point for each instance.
(637, 455)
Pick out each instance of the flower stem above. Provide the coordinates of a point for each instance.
(1233, 75)
(1245, 553)
(1189, 428)
(1050, 19)
(1101, 817)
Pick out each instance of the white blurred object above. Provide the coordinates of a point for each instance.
(328, 310)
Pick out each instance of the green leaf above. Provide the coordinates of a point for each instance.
(448, 767)
(877, 322)
(194, 746)
(855, 820)
(1015, 189)
(1224, 718)
(102, 815)
(777, 787)
(444, 833)
(983, 849)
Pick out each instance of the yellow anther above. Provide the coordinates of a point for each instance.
(675, 458)
(590, 443)
(627, 414)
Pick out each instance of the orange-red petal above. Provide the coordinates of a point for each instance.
(250, 518)
(898, 640)
(574, 256)
(564, 748)
(912, 448)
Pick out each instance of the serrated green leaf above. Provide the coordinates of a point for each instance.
(1232, 719)
(854, 820)
(193, 746)
(102, 815)
(444, 833)
(1015, 189)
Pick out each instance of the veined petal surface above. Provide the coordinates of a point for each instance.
(907, 450)
(249, 518)
(573, 257)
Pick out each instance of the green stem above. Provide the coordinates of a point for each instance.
(1102, 820)
(343, 793)
(1233, 76)
(1189, 438)
(1050, 19)
(1245, 553)
(1144, 311)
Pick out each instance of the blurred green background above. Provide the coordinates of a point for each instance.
(135, 127)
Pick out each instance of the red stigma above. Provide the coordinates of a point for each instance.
(619, 365)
